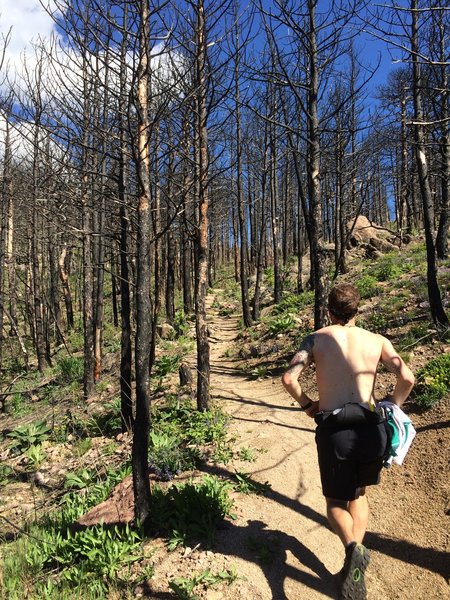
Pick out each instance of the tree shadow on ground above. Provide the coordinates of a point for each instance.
(270, 549)
(436, 561)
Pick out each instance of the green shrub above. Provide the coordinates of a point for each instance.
(165, 364)
(53, 561)
(184, 587)
(367, 286)
(247, 485)
(180, 323)
(281, 324)
(30, 434)
(35, 455)
(169, 457)
(293, 303)
(433, 381)
(377, 322)
(17, 406)
(259, 372)
(76, 340)
(389, 269)
(269, 276)
(5, 473)
(191, 511)
(71, 369)
(183, 420)
(78, 480)
(101, 550)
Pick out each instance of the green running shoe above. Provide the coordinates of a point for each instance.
(353, 586)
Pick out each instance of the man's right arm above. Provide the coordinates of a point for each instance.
(395, 364)
(298, 364)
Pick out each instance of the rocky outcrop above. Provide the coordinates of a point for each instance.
(374, 240)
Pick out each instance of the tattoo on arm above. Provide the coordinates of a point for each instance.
(304, 356)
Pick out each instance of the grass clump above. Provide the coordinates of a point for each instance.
(191, 512)
(184, 587)
(367, 286)
(181, 436)
(433, 381)
(70, 370)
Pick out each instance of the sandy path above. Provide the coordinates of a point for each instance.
(281, 542)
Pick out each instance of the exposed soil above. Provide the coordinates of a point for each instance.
(280, 543)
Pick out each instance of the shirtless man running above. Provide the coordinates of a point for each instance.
(351, 437)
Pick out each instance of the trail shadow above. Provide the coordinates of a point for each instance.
(229, 371)
(442, 425)
(293, 504)
(269, 548)
(275, 423)
(436, 561)
(259, 403)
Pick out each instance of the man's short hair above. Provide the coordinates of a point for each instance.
(343, 301)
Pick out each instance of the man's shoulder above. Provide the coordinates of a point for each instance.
(355, 331)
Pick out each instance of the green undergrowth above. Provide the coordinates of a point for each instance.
(189, 513)
(182, 437)
(184, 587)
(433, 381)
(51, 559)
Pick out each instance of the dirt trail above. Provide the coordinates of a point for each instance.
(281, 542)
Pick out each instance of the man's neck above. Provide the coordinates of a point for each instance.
(351, 323)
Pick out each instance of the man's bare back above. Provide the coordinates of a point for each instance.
(346, 359)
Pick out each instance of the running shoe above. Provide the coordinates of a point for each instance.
(353, 586)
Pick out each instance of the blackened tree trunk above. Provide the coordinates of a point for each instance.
(444, 217)
(35, 254)
(63, 270)
(88, 274)
(243, 272)
(201, 136)
(434, 295)
(141, 484)
(262, 233)
(4, 233)
(314, 186)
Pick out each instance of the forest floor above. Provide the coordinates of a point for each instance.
(279, 543)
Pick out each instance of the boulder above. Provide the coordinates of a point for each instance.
(363, 230)
(381, 244)
(165, 331)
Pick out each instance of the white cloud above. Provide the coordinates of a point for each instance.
(26, 21)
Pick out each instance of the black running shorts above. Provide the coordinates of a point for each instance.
(352, 446)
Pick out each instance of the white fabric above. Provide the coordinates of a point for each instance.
(404, 428)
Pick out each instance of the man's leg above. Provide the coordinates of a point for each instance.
(349, 519)
(359, 511)
(341, 520)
